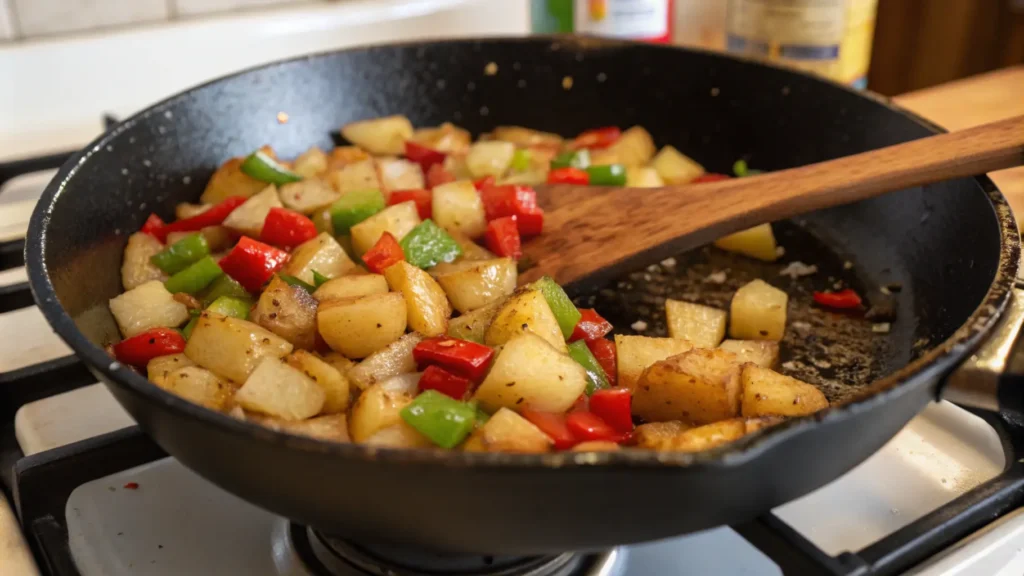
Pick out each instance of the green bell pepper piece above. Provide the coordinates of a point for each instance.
(224, 286)
(187, 330)
(194, 278)
(442, 419)
(596, 378)
(233, 307)
(293, 281)
(521, 160)
(319, 279)
(565, 311)
(607, 175)
(427, 244)
(577, 159)
(265, 169)
(181, 254)
(741, 170)
(354, 207)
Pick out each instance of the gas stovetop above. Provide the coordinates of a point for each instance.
(95, 496)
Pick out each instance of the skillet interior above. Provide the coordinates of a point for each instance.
(943, 243)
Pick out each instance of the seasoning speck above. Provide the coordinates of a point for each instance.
(484, 111)
(521, 83)
(780, 251)
(601, 76)
(797, 269)
(567, 83)
(282, 117)
(131, 486)
(639, 325)
(717, 277)
(790, 365)
(124, 171)
(715, 91)
(669, 262)
(491, 69)
(885, 290)
(847, 265)
(186, 180)
(881, 328)
(168, 114)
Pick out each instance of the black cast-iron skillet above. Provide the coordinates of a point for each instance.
(952, 249)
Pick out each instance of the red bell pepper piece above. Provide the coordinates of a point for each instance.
(287, 229)
(384, 253)
(141, 348)
(615, 407)
(212, 217)
(552, 424)
(568, 176)
(153, 223)
(502, 238)
(597, 138)
(461, 357)
(582, 404)
(437, 175)
(842, 300)
(710, 178)
(604, 351)
(591, 326)
(485, 182)
(251, 263)
(501, 201)
(420, 154)
(530, 223)
(587, 426)
(437, 378)
(422, 198)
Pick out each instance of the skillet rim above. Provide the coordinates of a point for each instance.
(931, 365)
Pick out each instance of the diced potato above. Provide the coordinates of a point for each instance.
(643, 177)
(288, 311)
(399, 174)
(757, 242)
(768, 393)
(353, 177)
(526, 311)
(474, 284)
(199, 386)
(658, 435)
(229, 180)
(185, 210)
(490, 158)
(147, 306)
(160, 368)
(342, 156)
(276, 389)
(703, 326)
(334, 383)
(136, 269)
(322, 254)
(310, 163)
(380, 406)
(248, 218)
(398, 220)
(525, 137)
(455, 164)
(394, 360)
(596, 446)
(457, 206)
(634, 148)
(358, 327)
(528, 178)
(339, 362)
(382, 136)
(758, 312)
(700, 386)
(399, 435)
(674, 167)
(333, 427)
(217, 237)
(760, 352)
(351, 286)
(755, 424)
(473, 325)
(705, 437)
(447, 138)
(529, 373)
(425, 301)
(308, 196)
(507, 431)
(231, 347)
(470, 251)
(636, 353)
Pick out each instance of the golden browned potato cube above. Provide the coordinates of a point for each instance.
(658, 435)
(526, 137)
(361, 175)
(473, 284)
(398, 220)
(447, 138)
(425, 301)
(643, 177)
(185, 210)
(400, 174)
(276, 389)
(700, 386)
(136, 268)
(333, 382)
(526, 311)
(351, 286)
(310, 163)
(708, 436)
(674, 167)
(341, 156)
(768, 393)
(288, 311)
(358, 327)
(755, 424)
(248, 218)
(199, 386)
(507, 431)
(636, 353)
(382, 136)
(399, 435)
(160, 368)
(758, 312)
(322, 254)
(473, 325)
(703, 326)
(332, 427)
(529, 373)
(634, 148)
(757, 242)
(457, 206)
(147, 306)
(339, 362)
(231, 347)
(764, 353)
(490, 158)
(380, 406)
(229, 180)
(309, 195)
(393, 360)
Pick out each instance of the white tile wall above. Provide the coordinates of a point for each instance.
(48, 17)
(196, 7)
(7, 31)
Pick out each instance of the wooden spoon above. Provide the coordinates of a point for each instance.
(596, 233)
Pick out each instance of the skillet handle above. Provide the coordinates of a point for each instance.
(992, 378)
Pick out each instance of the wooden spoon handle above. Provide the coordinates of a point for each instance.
(596, 233)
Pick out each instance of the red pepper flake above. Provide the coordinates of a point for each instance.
(131, 486)
(842, 300)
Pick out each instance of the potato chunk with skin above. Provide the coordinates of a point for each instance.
(705, 437)
(398, 220)
(757, 242)
(768, 393)
(333, 382)
(473, 325)
(288, 311)
(656, 435)
(703, 326)
(160, 368)
(229, 180)
(322, 254)
(758, 312)
(700, 386)
(136, 269)
(332, 427)
(199, 386)
(358, 327)
(276, 389)
(399, 174)
(674, 167)
(147, 306)
(474, 284)
(351, 286)
(380, 406)
(248, 218)
(382, 136)
(760, 352)
(393, 360)
(507, 431)
(637, 353)
(231, 347)
(360, 175)
(457, 206)
(307, 196)
(425, 301)
(529, 373)
(526, 311)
